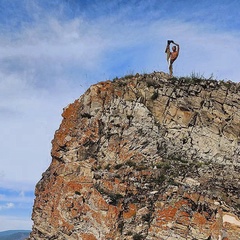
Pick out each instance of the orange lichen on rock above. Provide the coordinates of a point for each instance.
(183, 218)
(192, 196)
(130, 212)
(165, 215)
(199, 219)
(88, 236)
(73, 186)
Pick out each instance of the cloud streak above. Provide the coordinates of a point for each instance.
(16, 223)
(6, 206)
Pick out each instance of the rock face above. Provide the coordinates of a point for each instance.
(144, 157)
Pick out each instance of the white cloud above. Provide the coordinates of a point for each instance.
(9, 205)
(56, 41)
(14, 223)
(54, 46)
(6, 206)
(22, 194)
(17, 198)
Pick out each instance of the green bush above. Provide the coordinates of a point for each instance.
(130, 163)
(115, 198)
(154, 96)
(160, 179)
(137, 236)
(118, 166)
(146, 217)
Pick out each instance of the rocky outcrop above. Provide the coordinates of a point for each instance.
(144, 157)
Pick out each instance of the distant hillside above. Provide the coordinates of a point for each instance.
(14, 235)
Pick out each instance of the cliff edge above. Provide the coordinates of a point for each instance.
(144, 157)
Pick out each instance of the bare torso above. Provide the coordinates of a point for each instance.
(174, 56)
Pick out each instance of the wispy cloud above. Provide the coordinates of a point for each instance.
(15, 197)
(6, 206)
(18, 223)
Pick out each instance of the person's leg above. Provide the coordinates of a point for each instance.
(170, 68)
(167, 51)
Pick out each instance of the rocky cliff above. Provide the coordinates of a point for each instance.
(144, 157)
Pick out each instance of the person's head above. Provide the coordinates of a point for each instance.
(174, 48)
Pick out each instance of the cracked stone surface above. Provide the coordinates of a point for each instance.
(144, 157)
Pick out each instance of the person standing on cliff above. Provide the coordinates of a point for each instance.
(171, 56)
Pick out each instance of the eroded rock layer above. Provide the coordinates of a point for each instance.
(144, 157)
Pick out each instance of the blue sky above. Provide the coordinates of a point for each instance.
(51, 51)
